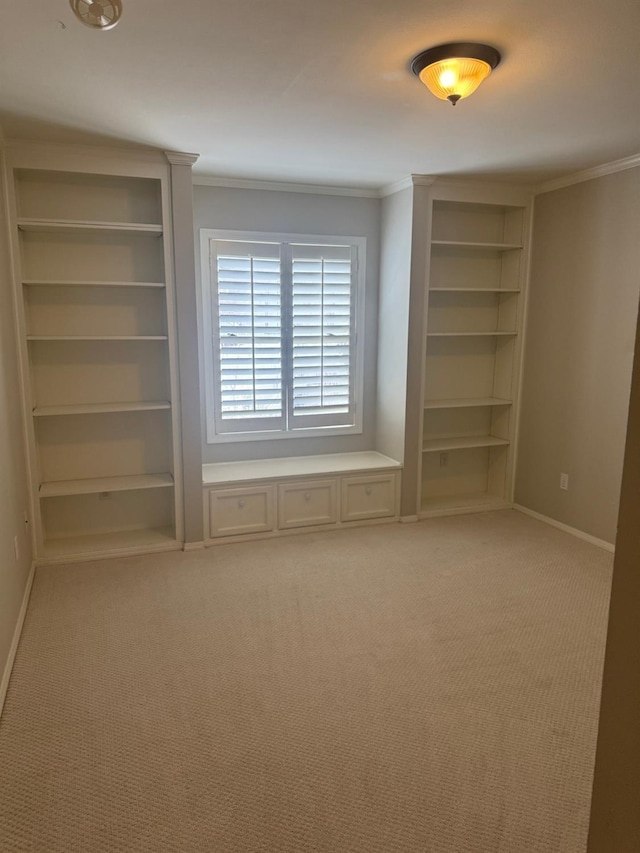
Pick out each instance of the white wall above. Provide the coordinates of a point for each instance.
(300, 213)
(584, 291)
(13, 480)
(393, 321)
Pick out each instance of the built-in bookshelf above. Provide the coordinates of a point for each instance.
(95, 311)
(473, 335)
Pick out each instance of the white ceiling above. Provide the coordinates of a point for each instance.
(320, 92)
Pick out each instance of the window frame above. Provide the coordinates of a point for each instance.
(209, 337)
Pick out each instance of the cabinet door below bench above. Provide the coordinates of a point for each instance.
(236, 511)
(305, 504)
(370, 496)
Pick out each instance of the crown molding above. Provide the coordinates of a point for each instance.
(283, 187)
(180, 158)
(423, 180)
(589, 174)
(396, 187)
(405, 184)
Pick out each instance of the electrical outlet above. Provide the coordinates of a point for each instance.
(444, 460)
(16, 548)
(564, 482)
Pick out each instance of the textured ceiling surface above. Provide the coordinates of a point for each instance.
(321, 92)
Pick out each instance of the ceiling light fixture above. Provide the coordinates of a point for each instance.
(453, 71)
(98, 14)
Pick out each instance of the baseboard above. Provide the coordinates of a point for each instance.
(465, 510)
(194, 546)
(408, 519)
(573, 531)
(4, 684)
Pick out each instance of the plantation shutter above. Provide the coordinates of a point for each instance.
(247, 323)
(322, 340)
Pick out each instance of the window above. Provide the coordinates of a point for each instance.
(282, 344)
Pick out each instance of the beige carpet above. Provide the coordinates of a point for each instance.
(394, 689)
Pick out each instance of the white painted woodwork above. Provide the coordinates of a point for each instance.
(94, 278)
(474, 316)
(307, 503)
(346, 487)
(461, 503)
(295, 466)
(434, 445)
(494, 333)
(482, 247)
(233, 512)
(370, 496)
(109, 544)
(466, 403)
(469, 471)
(69, 283)
(474, 289)
(97, 337)
(100, 408)
(100, 485)
(67, 226)
(118, 516)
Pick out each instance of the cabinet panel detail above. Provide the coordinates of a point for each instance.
(372, 496)
(303, 504)
(233, 512)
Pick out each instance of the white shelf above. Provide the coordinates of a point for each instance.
(470, 441)
(97, 337)
(472, 501)
(122, 541)
(105, 484)
(63, 283)
(474, 290)
(470, 334)
(467, 403)
(489, 247)
(100, 408)
(69, 226)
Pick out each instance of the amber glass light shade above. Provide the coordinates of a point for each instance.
(453, 71)
(454, 77)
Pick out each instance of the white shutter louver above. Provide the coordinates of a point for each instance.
(322, 335)
(248, 351)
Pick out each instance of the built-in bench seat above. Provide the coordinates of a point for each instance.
(269, 496)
